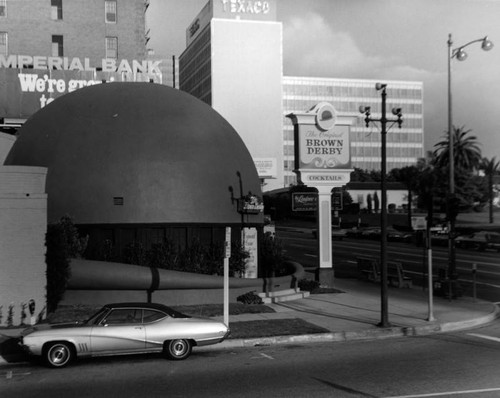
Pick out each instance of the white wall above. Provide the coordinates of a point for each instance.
(23, 224)
(246, 85)
(398, 197)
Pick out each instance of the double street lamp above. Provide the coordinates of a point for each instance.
(366, 110)
(460, 54)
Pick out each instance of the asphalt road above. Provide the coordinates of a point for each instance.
(301, 246)
(462, 364)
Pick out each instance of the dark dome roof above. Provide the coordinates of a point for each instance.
(171, 157)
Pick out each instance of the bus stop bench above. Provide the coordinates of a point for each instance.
(368, 269)
(397, 276)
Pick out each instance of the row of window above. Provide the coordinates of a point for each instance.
(351, 105)
(57, 49)
(56, 10)
(348, 88)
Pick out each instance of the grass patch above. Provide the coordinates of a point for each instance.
(273, 327)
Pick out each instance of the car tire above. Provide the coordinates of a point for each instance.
(58, 355)
(178, 349)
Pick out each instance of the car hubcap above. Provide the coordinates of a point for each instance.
(179, 347)
(59, 355)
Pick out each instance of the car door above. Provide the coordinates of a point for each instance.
(121, 331)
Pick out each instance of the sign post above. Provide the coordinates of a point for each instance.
(227, 255)
(323, 161)
(420, 224)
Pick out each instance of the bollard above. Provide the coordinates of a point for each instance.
(474, 271)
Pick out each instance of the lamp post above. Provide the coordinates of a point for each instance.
(460, 55)
(384, 322)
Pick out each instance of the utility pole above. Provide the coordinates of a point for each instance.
(384, 322)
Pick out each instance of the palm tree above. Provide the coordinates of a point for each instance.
(491, 167)
(466, 151)
(467, 159)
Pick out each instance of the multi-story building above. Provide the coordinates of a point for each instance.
(49, 48)
(233, 61)
(404, 145)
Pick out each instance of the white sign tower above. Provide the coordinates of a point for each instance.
(323, 161)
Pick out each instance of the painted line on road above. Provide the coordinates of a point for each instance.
(483, 336)
(262, 355)
(450, 393)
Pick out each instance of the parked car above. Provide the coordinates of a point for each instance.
(481, 240)
(123, 328)
(337, 233)
(392, 234)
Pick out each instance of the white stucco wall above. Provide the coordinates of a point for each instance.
(23, 224)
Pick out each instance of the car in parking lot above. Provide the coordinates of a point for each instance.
(123, 328)
(392, 234)
(481, 240)
(337, 233)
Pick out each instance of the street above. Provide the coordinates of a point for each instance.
(300, 245)
(461, 364)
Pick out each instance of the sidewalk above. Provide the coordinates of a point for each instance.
(354, 315)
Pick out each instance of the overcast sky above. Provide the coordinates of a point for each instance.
(381, 39)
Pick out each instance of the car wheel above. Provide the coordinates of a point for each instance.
(58, 354)
(178, 349)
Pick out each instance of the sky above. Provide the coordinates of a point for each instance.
(381, 40)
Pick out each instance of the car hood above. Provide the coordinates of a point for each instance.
(46, 326)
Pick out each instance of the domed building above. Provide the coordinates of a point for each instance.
(140, 162)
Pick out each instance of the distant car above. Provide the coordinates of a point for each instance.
(123, 328)
(393, 235)
(337, 233)
(481, 240)
(371, 233)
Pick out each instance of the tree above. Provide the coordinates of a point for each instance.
(467, 159)
(466, 151)
(407, 175)
(491, 167)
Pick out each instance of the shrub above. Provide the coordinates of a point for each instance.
(23, 313)
(10, 316)
(250, 298)
(63, 242)
(308, 285)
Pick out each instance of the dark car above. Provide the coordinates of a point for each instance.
(481, 240)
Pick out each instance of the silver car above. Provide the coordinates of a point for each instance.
(123, 328)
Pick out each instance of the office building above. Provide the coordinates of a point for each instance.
(233, 62)
(404, 145)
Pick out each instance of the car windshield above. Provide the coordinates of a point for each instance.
(96, 318)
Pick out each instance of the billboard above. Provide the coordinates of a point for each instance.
(28, 83)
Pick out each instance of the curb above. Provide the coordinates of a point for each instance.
(343, 336)
(372, 334)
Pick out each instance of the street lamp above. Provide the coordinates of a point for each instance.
(460, 54)
(384, 322)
